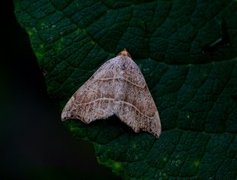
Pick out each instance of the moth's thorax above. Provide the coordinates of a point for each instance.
(124, 53)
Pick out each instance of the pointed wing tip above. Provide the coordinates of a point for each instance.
(157, 131)
(64, 116)
(157, 134)
(63, 119)
(155, 128)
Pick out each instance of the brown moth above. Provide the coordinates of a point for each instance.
(116, 88)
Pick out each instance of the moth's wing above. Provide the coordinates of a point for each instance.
(117, 87)
(137, 109)
(93, 100)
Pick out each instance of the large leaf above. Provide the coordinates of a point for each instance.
(187, 51)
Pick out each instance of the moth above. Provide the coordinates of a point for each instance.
(116, 88)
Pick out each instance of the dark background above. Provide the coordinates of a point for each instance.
(34, 142)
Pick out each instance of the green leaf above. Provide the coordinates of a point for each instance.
(187, 51)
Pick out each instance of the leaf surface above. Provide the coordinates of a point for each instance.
(187, 52)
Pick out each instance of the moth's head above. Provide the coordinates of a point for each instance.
(124, 52)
